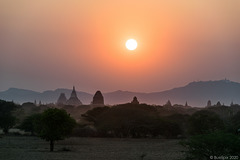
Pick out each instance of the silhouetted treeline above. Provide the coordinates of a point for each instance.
(134, 120)
(139, 121)
(130, 120)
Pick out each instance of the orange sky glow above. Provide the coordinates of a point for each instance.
(59, 43)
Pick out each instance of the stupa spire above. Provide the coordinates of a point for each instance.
(73, 100)
(73, 94)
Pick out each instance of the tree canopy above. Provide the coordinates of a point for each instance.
(29, 123)
(7, 120)
(131, 120)
(54, 124)
(204, 121)
(206, 146)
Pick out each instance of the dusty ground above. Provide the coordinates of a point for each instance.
(33, 148)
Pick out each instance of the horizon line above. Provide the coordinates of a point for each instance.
(225, 79)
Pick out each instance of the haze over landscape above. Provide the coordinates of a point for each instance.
(119, 79)
(56, 44)
(196, 94)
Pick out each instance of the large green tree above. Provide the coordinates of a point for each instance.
(7, 120)
(54, 124)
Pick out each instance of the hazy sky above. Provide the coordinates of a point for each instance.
(59, 43)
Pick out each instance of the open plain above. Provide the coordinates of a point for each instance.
(34, 148)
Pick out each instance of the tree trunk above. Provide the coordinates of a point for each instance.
(51, 145)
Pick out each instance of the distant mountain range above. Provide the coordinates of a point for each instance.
(195, 93)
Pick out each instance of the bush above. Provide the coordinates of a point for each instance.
(84, 131)
(29, 123)
(201, 147)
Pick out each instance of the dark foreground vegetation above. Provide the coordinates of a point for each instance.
(212, 146)
(206, 132)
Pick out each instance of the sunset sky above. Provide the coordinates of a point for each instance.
(49, 44)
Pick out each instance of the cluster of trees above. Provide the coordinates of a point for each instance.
(52, 125)
(142, 120)
(206, 129)
(206, 133)
(212, 137)
(131, 120)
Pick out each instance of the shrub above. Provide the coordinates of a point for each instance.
(201, 147)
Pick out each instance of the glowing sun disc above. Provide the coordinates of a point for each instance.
(131, 44)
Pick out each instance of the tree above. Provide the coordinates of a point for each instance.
(131, 120)
(93, 114)
(203, 121)
(181, 120)
(209, 146)
(235, 122)
(127, 120)
(54, 124)
(7, 120)
(29, 123)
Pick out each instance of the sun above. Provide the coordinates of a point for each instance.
(131, 44)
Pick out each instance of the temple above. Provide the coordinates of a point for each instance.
(98, 99)
(135, 100)
(73, 100)
(62, 99)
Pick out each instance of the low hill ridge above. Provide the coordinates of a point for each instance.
(195, 93)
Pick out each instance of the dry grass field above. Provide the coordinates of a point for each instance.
(33, 148)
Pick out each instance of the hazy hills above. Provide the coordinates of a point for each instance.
(195, 93)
